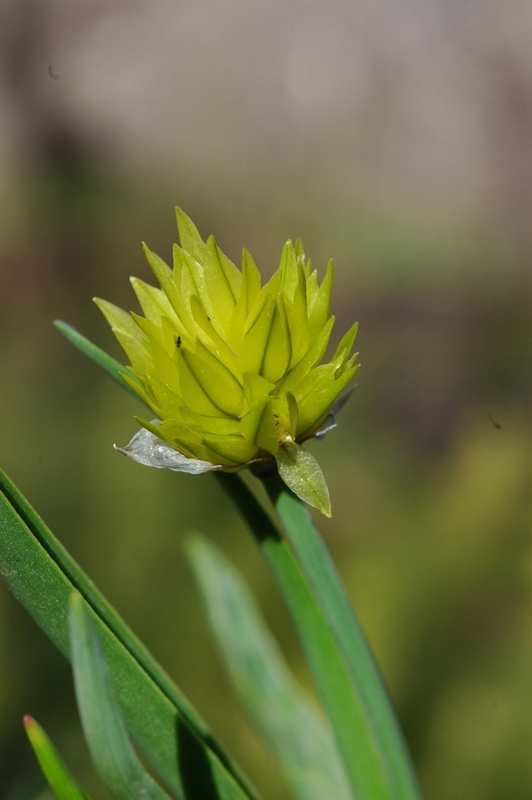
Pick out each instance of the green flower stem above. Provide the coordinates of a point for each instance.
(365, 767)
(321, 573)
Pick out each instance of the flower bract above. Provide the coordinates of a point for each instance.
(232, 369)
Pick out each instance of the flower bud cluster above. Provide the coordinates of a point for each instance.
(231, 369)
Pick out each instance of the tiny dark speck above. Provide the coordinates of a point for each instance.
(494, 422)
(178, 342)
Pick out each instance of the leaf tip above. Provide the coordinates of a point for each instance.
(29, 722)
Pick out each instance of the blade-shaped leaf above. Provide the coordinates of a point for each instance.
(170, 733)
(53, 767)
(110, 365)
(349, 636)
(105, 730)
(342, 699)
(287, 717)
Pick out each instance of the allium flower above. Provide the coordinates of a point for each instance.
(232, 369)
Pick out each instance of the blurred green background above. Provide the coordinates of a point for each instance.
(395, 138)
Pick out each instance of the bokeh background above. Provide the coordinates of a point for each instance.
(395, 137)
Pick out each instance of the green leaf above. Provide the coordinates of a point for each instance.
(342, 700)
(105, 731)
(53, 767)
(350, 639)
(301, 472)
(297, 733)
(166, 728)
(110, 365)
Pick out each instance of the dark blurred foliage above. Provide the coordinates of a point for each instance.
(429, 225)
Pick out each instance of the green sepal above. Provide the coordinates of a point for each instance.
(302, 474)
(53, 767)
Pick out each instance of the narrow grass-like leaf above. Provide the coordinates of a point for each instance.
(355, 736)
(105, 731)
(170, 733)
(328, 589)
(109, 364)
(52, 765)
(289, 720)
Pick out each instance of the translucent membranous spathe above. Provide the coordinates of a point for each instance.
(232, 369)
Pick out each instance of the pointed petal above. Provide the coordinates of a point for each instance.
(289, 270)
(189, 236)
(118, 319)
(220, 299)
(312, 357)
(258, 427)
(230, 448)
(164, 275)
(255, 387)
(346, 343)
(316, 406)
(319, 307)
(267, 347)
(153, 302)
(213, 379)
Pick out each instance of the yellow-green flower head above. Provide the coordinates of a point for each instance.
(231, 368)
